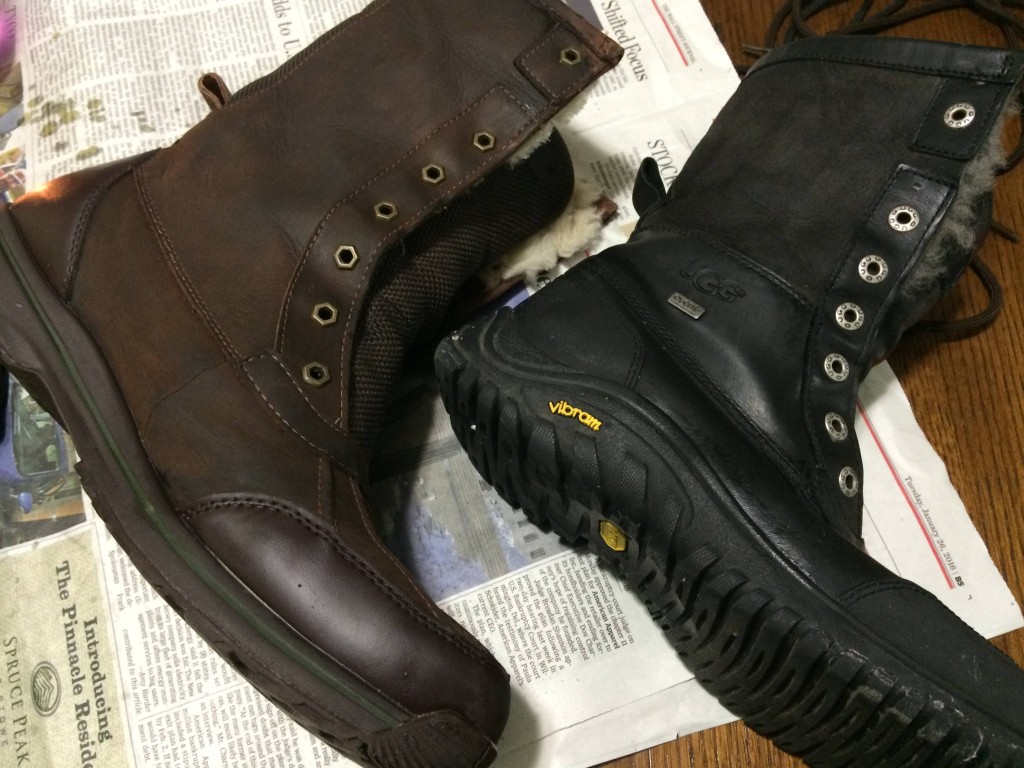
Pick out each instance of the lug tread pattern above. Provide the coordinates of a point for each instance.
(778, 671)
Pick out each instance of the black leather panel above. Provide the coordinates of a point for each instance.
(898, 251)
(955, 131)
(750, 364)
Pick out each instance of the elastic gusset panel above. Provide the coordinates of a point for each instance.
(418, 276)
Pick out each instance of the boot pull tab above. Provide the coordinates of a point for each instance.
(648, 189)
(214, 91)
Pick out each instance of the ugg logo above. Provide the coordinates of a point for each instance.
(713, 284)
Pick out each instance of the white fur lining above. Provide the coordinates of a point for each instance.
(560, 120)
(577, 227)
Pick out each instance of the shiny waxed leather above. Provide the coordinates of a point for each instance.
(196, 269)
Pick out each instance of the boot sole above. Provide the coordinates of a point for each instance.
(56, 360)
(772, 649)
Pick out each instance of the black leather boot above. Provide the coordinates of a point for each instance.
(685, 402)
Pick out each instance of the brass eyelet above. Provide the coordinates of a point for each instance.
(346, 256)
(325, 314)
(570, 57)
(484, 141)
(433, 173)
(385, 211)
(315, 374)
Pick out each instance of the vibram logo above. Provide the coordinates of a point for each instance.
(562, 408)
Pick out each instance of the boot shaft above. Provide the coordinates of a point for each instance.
(818, 133)
(830, 204)
(274, 211)
(838, 195)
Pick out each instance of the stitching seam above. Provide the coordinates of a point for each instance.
(78, 238)
(333, 426)
(319, 451)
(470, 176)
(876, 587)
(736, 256)
(735, 412)
(390, 555)
(195, 301)
(987, 76)
(538, 80)
(381, 174)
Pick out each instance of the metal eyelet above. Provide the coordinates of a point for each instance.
(836, 427)
(346, 256)
(325, 314)
(849, 316)
(433, 173)
(836, 367)
(849, 484)
(570, 57)
(873, 269)
(903, 218)
(315, 374)
(484, 141)
(959, 115)
(385, 211)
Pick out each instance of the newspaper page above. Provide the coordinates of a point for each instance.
(98, 670)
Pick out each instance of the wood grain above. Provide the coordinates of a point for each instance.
(968, 395)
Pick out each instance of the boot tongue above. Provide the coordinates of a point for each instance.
(649, 188)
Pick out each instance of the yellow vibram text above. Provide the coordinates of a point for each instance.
(562, 408)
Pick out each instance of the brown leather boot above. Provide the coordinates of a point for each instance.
(218, 324)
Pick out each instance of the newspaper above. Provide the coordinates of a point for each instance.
(99, 671)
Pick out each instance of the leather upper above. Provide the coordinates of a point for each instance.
(790, 254)
(224, 277)
(266, 151)
(827, 145)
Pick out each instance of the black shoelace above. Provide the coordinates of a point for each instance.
(793, 21)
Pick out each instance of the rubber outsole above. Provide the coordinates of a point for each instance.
(55, 359)
(816, 692)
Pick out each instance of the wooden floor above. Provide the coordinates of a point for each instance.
(968, 395)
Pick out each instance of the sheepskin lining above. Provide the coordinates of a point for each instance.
(956, 236)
